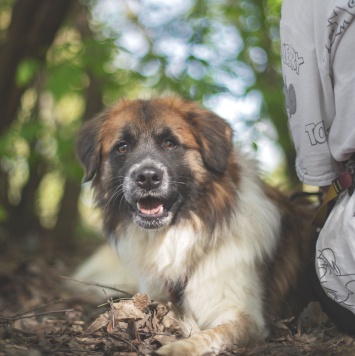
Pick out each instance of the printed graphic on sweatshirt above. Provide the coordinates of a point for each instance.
(291, 58)
(338, 285)
(302, 171)
(291, 99)
(316, 133)
(337, 25)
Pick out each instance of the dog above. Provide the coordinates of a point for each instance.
(193, 222)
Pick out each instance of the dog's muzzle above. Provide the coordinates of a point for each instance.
(147, 190)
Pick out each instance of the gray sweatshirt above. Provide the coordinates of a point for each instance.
(318, 65)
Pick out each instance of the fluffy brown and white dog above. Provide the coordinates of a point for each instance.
(189, 215)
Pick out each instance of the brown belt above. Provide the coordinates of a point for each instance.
(345, 181)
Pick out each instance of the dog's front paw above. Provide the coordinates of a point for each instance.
(188, 347)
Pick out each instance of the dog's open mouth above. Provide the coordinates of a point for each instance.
(153, 213)
(150, 207)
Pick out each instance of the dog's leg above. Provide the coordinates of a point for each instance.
(227, 308)
(214, 340)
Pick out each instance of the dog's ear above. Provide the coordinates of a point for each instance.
(215, 138)
(88, 146)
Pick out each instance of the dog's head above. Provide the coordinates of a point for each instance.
(151, 159)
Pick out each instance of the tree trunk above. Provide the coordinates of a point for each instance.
(33, 27)
(271, 83)
(64, 231)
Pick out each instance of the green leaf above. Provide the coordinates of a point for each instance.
(26, 71)
(3, 214)
(65, 78)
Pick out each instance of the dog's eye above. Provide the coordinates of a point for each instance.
(169, 144)
(122, 147)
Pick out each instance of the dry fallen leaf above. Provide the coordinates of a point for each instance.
(141, 301)
(126, 309)
(311, 317)
(99, 323)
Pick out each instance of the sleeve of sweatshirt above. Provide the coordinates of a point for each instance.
(308, 86)
(342, 47)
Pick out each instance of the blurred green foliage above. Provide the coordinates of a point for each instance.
(210, 51)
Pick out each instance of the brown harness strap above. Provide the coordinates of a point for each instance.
(344, 182)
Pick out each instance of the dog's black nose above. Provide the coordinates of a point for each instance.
(149, 177)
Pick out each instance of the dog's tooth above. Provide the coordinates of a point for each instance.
(138, 206)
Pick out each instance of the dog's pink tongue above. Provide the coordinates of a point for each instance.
(150, 207)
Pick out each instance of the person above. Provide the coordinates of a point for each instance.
(317, 48)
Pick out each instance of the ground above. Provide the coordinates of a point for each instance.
(40, 315)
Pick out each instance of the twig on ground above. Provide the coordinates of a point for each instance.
(110, 301)
(119, 338)
(97, 285)
(39, 307)
(9, 319)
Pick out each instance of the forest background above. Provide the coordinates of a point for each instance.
(63, 61)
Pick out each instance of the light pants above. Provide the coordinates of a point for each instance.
(335, 253)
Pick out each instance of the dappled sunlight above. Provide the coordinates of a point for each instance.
(69, 109)
(90, 215)
(209, 51)
(50, 193)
